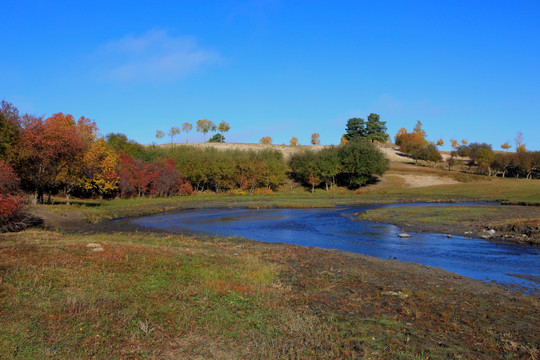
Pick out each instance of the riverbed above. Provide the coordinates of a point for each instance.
(511, 265)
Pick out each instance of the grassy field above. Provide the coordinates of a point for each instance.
(390, 190)
(169, 296)
(155, 296)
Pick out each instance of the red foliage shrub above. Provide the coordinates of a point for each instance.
(12, 214)
(8, 179)
(10, 207)
(169, 180)
(138, 177)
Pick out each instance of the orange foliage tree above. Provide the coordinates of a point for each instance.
(267, 140)
(293, 141)
(315, 139)
(410, 142)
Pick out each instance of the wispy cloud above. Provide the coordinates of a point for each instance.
(154, 56)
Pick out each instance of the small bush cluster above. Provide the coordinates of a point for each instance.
(12, 205)
(221, 171)
(353, 164)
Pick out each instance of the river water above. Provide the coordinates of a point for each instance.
(508, 264)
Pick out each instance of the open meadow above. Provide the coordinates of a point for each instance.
(88, 287)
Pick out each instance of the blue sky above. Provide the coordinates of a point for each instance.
(465, 69)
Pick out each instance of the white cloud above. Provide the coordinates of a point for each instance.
(152, 57)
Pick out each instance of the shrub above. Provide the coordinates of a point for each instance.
(12, 206)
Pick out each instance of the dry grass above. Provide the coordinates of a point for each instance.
(164, 296)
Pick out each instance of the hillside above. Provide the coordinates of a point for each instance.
(401, 166)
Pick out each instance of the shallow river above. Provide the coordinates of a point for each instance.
(514, 265)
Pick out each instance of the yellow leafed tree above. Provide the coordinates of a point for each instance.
(99, 173)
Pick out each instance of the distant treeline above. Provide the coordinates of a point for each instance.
(479, 157)
(211, 169)
(520, 164)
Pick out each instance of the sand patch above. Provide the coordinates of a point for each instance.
(416, 181)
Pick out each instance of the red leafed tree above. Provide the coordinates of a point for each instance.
(135, 176)
(11, 205)
(169, 181)
(50, 151)
(9, 181)
(138, 178)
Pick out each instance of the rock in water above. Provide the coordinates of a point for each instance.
(404, 235)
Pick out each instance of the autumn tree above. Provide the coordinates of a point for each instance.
(440, 142)
(223, 127)
(9, 181)
(173, 132)
(186, 127)
(169, 180)
(293, 141)
(409, 142)
(12, 215)
(47, 147)
(9, 128)
(454, 143)
(204, 126)
(98, 175)
(266, 140)
(135, 176)
(506, 146)
(418, 129)
(464, 142)
(399, 136)
(159, 134)
(71, 172)
(315, 139)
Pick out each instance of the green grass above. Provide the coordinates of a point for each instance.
(431, 214)
(157, 296)
(501, 190)
(514, 223)
(494, 190)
